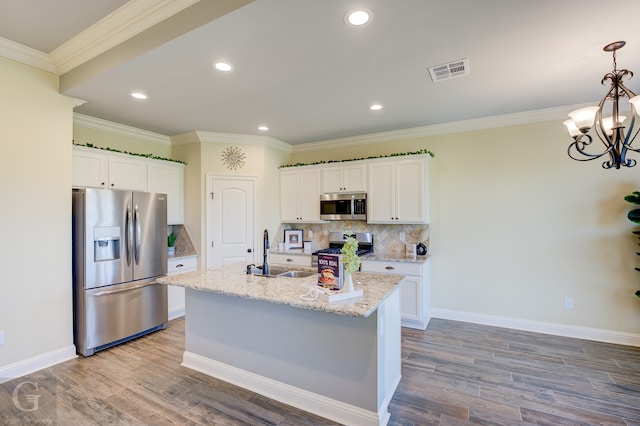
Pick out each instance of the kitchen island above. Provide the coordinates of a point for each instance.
(338, 360)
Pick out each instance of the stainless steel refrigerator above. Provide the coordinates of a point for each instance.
(119, 249)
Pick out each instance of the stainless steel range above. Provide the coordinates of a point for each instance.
(337, 240)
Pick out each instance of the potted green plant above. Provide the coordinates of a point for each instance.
(171, 242)
(634, 216)
(351, 262)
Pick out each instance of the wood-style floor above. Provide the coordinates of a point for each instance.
(454, 373)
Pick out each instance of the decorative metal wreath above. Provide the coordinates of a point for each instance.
(233, 158)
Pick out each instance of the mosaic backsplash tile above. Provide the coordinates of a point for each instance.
(386, 238)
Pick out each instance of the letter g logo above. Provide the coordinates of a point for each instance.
(32, 399)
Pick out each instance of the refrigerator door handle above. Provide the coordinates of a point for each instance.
(128, 229)
(138, 235)
(107, 292)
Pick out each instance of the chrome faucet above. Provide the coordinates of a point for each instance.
(265, 248)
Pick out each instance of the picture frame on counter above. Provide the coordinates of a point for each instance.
(293, 239)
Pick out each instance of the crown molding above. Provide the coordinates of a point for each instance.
(536, 116)
(229, 138)
(26, 55)
(131, 19)
(119, 129)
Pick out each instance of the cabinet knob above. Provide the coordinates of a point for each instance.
(389, 268)
(102, 184)
(289, 260)
(179, 265)
(112, 185)
(249, 250)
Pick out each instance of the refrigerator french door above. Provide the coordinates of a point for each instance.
(119, 249)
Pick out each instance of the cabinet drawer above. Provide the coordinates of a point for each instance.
(182, 264)
(287, 259)
(388, 267)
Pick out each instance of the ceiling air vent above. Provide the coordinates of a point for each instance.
(459, 68)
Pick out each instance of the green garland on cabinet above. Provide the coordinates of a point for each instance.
(151, 156)
(398, 154)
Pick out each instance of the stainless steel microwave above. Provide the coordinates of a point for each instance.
(343, 206)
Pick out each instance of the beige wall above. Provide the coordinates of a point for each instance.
(204, 158)
(84, 135)
(517, 226)
(35, 188)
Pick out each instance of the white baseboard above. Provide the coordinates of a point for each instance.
(296, 397)
(176, 314)
(564, 330)
(27, 366)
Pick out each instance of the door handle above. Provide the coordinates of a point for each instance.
(138, 236)
(128, 235)
(108, 292)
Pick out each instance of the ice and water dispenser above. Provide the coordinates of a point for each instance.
(106, 243)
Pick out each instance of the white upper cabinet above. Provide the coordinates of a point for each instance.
(95, 168)
(168, 178)
(90, 168)
(398, 191)
(300, 195)
(344, 178)
(127, 172)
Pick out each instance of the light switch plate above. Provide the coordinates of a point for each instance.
(1, 338)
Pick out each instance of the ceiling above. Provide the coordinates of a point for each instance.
(301, 71)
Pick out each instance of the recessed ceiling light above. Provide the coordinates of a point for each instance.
(375, 107)
(138, 95)
(358, 18)
(263, 128)
(223, 66)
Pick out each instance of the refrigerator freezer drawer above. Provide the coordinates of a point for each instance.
(118, 312)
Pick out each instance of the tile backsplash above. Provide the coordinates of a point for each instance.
(184, 245)
(386, 238)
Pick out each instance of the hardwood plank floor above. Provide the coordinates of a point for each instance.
(454, 373)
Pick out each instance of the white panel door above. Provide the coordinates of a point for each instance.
(231, 215)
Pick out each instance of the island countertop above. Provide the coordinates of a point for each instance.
(232, 280)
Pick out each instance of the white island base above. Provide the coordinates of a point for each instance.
(344, 368)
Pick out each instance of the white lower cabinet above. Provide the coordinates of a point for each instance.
(414, 291)
(175, 294)
(289, 259)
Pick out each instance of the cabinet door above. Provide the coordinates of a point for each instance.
(168, 178)
(127, 173)
(309, 206)
(381, 194)
(331, 179)
(410, 192)
(354, 178)
(411, 298)
(90, 168)
(289, 198)
(346, 178)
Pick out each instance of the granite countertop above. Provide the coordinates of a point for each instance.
(392, 257)
(182, 255)
(232, 280)
(294, 252)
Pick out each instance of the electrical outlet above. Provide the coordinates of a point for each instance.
(1, 338)
(310, 233)
(568, 302)
(401, 236)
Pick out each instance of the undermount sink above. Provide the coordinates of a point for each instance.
(296, 274)
(275, 272)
